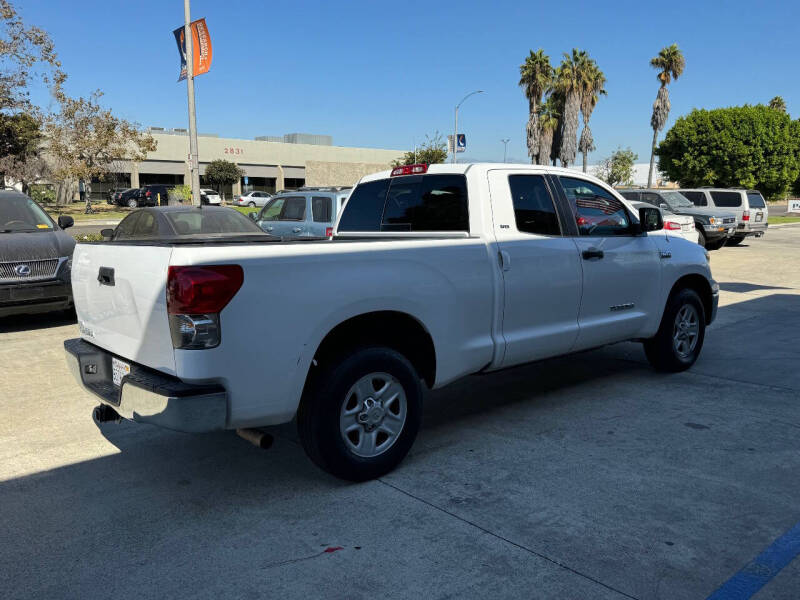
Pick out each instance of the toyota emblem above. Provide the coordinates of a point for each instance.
(22, 270)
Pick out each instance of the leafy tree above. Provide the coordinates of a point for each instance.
(778, 103)
(670, 64)
(593, 84)
(536, 77)
(86, 140)
(569, 83)
(617, 169)
(432, 151)
(20, 144)
(745, 146)
(223, 172)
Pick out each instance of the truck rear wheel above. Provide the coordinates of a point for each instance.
(680, 336)
(361, 414)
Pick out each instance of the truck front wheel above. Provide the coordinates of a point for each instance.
(361, 414)
(680, 336)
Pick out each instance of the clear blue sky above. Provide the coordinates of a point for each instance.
(378, 74)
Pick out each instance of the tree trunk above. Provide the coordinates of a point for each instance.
(652, 159)
(585, 165)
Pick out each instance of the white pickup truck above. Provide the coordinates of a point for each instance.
(432, 273)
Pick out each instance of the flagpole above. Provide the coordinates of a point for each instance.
(194, 160)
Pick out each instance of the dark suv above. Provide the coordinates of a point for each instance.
(713, 225)
(153, 195)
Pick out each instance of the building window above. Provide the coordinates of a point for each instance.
(258, 184)
(290, 183)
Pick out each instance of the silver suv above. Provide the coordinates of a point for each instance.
(748, 205)
(307, 212)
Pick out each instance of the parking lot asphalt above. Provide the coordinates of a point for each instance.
(589, 476)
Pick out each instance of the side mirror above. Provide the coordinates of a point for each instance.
(253, 216)
(650, 219)
(664, 206)
(107, 233)
(65, 221)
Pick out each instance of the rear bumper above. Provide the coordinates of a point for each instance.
(751, 229)
(39, 297)
(147, 396)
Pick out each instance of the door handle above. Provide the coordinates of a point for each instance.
(592, 253)
(297, 229)
(270, 228)
(505, 260)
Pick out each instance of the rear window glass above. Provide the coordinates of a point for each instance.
(629, 195)
(207, 222)
(365, 206)
(729, 199)
(409, 203)
(697, 198)
(321, 208)
(755, 200)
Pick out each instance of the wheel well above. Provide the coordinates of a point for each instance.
(699, 284)
(396, 330)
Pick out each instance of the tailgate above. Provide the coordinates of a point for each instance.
(126, 313)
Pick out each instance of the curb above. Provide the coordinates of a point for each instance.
(779, 225)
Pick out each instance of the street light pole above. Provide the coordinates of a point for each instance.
(505, 148)
(455, 130)
(194, 160)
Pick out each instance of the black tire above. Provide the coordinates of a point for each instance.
(133, 203)
(701, 238)
(318, 416)
(735, 241)
(251, 204)
(661, 349)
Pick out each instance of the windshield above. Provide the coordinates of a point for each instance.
(20, 213)
(676, 199)
(755, 200)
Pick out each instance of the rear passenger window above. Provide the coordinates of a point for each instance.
(697, 198)
(727, 199)
(597, 211)
(426, 203)
(651, 198)
(534, 210)
(321, 208)
(294, 209)
(630, 195)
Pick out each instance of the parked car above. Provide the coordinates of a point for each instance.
(210, 197)
(433, 273)
(674, 225)
(301, 214)
(113, 192)
(183, 223)
(123, 197)
(748, 205)
(156, 194)
(713, 225)
(35, 257)
(253, 199)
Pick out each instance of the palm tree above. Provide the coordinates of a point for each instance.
(536, 75)
(778, 103)
(670, 64)
(569, 83)
(594, 82)
(548, 125)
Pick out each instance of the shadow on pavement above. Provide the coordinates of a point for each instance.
(37, 321)
(742, 288)
(186, 515)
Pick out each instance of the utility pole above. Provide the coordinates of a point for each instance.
(455, 130)
(505, 148)
(194, 159)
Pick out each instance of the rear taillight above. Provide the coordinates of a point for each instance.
(195, 297)
(328, 231)
(148, 193)
(672, 226)
(746, 215)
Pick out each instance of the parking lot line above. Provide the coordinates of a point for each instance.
(758, 573)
